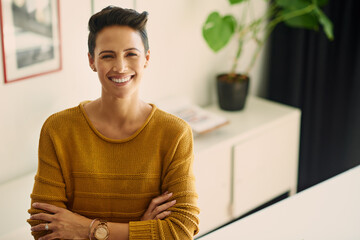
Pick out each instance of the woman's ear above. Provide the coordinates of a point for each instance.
(91, 62)
(147, 57)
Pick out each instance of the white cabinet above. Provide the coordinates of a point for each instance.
(213, 184)
(246, 163)
(264, 166)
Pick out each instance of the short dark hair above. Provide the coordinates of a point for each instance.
(111, 16)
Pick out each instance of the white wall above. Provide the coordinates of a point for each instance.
(181, 64)
(25, 104)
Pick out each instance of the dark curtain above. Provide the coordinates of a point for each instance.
(322, 78)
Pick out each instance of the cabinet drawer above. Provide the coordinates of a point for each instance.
(213, 176)
(264, 166)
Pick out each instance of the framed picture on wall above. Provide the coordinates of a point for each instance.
(97, 5)
(30, 38)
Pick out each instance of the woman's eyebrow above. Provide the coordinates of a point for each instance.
(129, 49)
(106, 51)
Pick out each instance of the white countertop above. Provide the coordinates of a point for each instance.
(257, 112)
(327, 211)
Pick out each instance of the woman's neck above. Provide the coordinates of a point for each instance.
(119, 112)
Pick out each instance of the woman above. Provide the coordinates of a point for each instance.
(115, 167)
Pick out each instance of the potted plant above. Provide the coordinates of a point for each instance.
(218, 30)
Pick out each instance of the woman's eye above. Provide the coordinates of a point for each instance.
(132, 54)
(106, 56)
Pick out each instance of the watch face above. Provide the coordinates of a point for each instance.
(101, 233)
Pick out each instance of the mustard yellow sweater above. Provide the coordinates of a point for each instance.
(97, 177)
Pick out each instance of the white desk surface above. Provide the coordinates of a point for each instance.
(258, 115)
(327, 211)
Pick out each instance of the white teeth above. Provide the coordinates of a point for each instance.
(120, 80)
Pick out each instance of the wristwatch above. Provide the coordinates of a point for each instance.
(101, 232)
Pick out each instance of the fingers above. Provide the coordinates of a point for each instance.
(47, 207)
(163, 215)
(163, 207)
(42, 216)
(41, 227)
(159, 200)
(158, 207)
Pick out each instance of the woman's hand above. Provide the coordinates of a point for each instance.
(158, 207)
(63, 223)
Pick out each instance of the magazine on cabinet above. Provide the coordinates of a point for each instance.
(200, 120)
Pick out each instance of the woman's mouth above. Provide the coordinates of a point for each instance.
(121, 80)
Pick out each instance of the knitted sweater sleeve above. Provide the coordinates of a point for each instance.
(178, 178)
(49, 186)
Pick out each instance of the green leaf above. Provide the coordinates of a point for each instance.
(297, 4)
(292, 4)
(217, 31)
(320, 3)
(291, 10)
(231, 22)
(308, 21)
(326, 23)
(232, 2)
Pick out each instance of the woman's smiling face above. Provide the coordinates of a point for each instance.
(119, 59)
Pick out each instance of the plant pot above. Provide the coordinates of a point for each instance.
(232, 91)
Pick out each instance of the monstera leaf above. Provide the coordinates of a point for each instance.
(292, 4)
(320, 3)
(310, 20)
(299, 3)
(326, 23)
(217, 30)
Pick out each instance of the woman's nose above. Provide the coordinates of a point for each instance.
(120, 66)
